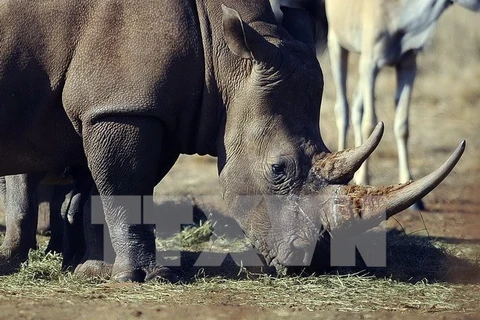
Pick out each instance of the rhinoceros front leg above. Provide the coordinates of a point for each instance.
(123, 154)
(21, 215)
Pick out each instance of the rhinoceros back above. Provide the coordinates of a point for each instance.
(66, 62)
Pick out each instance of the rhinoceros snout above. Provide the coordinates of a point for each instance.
(293, 258)
(296, 253)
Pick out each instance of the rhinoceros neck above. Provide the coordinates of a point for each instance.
(211, 109)
(224, 72)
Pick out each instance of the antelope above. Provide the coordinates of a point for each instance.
(384, 32)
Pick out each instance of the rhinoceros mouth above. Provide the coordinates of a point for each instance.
(282, 258)
(291, 259)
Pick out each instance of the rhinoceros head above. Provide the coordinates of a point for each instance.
(281, 183)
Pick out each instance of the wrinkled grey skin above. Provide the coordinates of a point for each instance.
(125, 88)
(316, 8)
(21, 194)
(21, 215)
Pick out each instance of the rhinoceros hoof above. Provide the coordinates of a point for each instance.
(94, 269)
(159, 273)
(162, 274)
(136, 275)
(10, 263)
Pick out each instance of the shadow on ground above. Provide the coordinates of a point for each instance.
(409, 259)
(416, 258)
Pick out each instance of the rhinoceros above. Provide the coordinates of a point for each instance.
(125, 87)
(21, 202)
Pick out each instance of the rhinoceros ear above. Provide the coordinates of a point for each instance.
(300, 24)
(242, 40)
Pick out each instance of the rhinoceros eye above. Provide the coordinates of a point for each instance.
(278, 169)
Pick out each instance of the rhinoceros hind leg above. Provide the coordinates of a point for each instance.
(21, 209)
(75, 235)
(60, 194)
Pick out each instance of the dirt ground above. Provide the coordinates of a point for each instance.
(445, 110)
(117, 310)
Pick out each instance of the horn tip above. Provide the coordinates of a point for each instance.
(377, 133)
(380, 127)
(461, 148)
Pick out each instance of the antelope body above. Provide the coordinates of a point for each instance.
(384, 32)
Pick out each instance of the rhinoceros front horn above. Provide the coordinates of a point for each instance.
(364, 207)
(339, 167)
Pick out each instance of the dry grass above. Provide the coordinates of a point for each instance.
(340, 290)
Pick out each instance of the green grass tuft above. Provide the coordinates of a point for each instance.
(195, 235)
